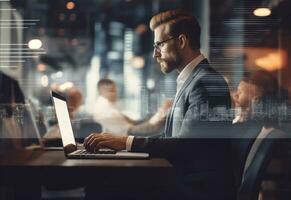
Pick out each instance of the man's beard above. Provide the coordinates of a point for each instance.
(171, 64)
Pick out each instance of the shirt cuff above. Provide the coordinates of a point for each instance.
(129, 142)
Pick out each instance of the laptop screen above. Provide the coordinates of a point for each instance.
(63, 119)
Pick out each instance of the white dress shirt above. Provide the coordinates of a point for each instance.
(182, 77)
(185, 73)
(110, 117)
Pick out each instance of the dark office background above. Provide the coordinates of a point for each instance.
(83, 41)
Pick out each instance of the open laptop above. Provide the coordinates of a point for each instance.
(18, 131)
(69, 144)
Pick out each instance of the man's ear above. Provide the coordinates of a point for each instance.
(182, 41)
(256, 98)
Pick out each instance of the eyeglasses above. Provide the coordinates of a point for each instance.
(159, 45)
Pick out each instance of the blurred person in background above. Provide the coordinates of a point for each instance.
(108, 114)
(257, 98)
(74, 101)
(255, 94)
(106, 111)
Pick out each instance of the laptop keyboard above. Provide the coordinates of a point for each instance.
(101, 151)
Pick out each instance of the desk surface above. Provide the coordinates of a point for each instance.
(49, 167)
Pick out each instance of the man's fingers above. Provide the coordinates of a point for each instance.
(92, 138)
(87, 139)
(94, 141)
(91, 145)
(103, 140)
(103, 144)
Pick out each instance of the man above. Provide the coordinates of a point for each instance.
(259, 88)
(201, 163)
(258, 94)
(107, 113)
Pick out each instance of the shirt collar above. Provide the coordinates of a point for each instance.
(185, 73)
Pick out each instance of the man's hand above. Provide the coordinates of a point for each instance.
(97, 141)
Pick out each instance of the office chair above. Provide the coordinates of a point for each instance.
(257, 161)
(243, 136)
(85, 127)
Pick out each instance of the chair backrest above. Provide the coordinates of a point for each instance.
(243, 136)
(85, 128)
(257, 162)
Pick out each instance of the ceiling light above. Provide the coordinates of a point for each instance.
(70, 5)
(138, 62)
(262, 12)
(271, 62)
(66, 86)
(56, 75)
(150, 84)
(34, 44)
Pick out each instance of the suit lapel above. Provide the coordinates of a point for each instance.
(169, 119)
(195, 71)
(168, 125)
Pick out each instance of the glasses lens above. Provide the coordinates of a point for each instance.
(158, 45)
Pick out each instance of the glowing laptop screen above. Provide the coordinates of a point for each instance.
(64, 121)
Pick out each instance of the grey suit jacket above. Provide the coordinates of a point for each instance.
(195, 138)
(197, 110)
(199, 99)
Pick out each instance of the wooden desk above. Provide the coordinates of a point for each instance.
(52, 167)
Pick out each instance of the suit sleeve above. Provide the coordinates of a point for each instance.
(181, 150)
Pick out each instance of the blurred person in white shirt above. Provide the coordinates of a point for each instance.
(107, 113)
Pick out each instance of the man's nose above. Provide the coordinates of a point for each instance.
(156, 53)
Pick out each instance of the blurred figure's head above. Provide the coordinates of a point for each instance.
(247, 92)
(260, 95)
(74, 99)
(107, 89)
(261, 86)
(73, 96)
